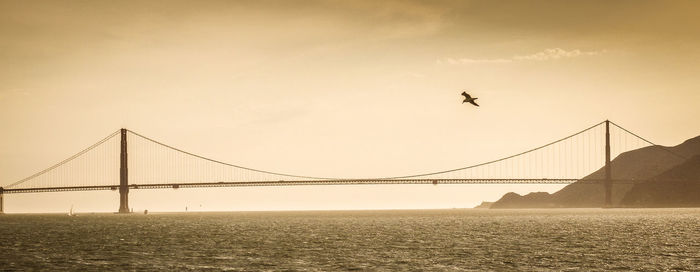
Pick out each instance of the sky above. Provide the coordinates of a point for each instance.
(335, 88)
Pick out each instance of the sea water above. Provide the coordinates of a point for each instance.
(416, 240)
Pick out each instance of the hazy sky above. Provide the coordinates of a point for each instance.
(336, 88)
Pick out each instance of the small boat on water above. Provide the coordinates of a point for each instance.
(70, 213)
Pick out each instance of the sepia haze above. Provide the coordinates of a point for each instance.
(335, 88)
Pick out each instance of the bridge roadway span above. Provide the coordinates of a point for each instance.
(303, 182)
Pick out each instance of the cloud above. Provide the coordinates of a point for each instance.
(546, 55)
(557, 53)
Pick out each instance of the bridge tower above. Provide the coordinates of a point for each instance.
(2, 204)
(123, 176)
(608, 169)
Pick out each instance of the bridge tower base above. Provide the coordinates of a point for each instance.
(608, 173)
(123, 176)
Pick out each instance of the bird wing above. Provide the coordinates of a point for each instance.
(465, 94)
(474, 103)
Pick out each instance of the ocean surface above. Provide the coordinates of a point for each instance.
(419, 240)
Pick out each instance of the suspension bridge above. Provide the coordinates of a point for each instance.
(126, 160)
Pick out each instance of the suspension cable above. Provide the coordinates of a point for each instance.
(653, 144)
(498, 160)
(223, 163)
(64, 161)
(324, 178)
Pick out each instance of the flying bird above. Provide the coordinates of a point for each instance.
(468, 98)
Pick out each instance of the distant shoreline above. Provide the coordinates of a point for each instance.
(358, 211)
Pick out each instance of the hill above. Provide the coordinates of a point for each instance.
(636, 165)
(677, 187)
(484, 205)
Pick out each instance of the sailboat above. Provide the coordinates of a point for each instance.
(70, 213)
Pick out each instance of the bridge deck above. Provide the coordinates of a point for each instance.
(304, 182)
